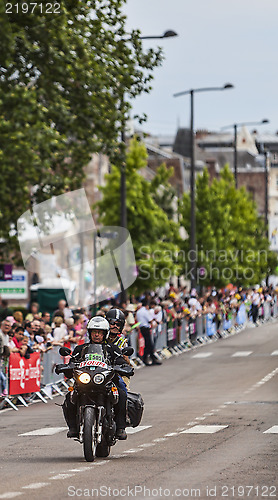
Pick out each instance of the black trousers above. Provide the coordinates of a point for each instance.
(149, 347)
(255, 310)
(70, 410)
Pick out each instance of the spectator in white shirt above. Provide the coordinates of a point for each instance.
(256, 300)
(145, 318)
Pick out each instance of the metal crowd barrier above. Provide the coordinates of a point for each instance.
(273, 309)
(160, 337)
(133, 342)
(266, 311)
(50, 380)
(184, 331)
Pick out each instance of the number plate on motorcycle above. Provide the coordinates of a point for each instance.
(92, 362)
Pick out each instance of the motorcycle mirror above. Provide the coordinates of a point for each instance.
(127, 351)
(64, 351)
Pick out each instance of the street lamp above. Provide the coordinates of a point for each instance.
(266, 173)
(166, 34)
(235, 126)
(192, 171)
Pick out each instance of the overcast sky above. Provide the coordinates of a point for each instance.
(219, 41)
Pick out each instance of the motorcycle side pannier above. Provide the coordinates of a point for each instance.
(135, 408)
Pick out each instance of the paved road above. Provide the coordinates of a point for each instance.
(209, 431)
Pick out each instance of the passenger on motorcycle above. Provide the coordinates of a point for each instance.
(116, 320)
(98, 331)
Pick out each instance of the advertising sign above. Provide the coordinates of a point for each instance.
(16, 288)
(24, 374)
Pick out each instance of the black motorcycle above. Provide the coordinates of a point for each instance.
(95, 394)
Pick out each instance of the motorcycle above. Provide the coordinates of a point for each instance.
(96, 395)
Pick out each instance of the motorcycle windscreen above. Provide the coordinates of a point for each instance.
(94, 357)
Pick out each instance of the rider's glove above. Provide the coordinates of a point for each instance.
(58, 369)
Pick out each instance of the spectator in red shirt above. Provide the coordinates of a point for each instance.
(16, 344)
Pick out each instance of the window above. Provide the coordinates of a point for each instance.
(274, 159)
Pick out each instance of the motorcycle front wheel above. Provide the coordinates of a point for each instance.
(89, 434)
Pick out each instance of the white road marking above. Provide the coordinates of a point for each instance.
(208, 414)
(61, 476)
(159, 440)
(146, 445)
(204, 429)
(46, 431)
(34, 486)
(133, 451)
(272, 430)
(274, 353)
(11, 494)
(200, 418)
(241, 354)
(79, 470)
(262, 381)
(171, 434)
(133, 430)
(202, 355)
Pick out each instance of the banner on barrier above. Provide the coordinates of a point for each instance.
(141, 344)
(241, 315)
(24, 374)
(192, 327)
(210, 325)
(171, 334)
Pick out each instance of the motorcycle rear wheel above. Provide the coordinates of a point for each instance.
(89, 434)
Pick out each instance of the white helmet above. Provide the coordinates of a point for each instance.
(98, 323)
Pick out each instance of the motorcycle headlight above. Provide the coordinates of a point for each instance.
(98, 378)
(84, 378)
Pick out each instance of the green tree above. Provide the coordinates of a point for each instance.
(153, 235)
(164, 194)
(65, 83)
(231, 242)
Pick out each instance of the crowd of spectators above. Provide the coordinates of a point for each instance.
(172, 303)
(40, 331)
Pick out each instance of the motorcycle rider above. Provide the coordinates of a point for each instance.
(98, 331)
